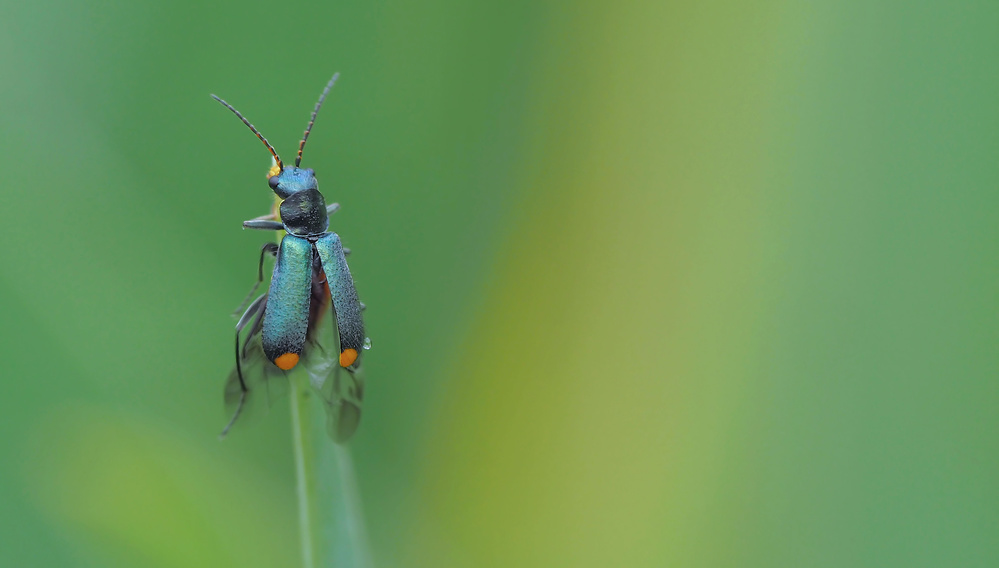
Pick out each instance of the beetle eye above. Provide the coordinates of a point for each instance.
(273, 181)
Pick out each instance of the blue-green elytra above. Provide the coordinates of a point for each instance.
(310, 274)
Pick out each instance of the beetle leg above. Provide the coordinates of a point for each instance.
(267, 248)
(263, 225)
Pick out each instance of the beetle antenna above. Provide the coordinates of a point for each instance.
(322, 97)
(260, 136)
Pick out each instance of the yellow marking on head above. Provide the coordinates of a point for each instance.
(287, 361)
(347, 357)
(275, 170)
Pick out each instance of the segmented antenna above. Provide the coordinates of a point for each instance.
(260, 136)
(322, 97)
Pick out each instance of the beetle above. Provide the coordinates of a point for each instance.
(310, 274)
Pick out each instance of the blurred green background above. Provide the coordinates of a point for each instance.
(649, 284)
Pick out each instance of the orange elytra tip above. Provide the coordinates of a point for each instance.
(347, 357)
(289, 360)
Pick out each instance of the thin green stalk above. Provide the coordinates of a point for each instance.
(330, 511)
(305, 481)
(353, 510)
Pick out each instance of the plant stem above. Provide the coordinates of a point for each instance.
(305, 481)
(353, 511)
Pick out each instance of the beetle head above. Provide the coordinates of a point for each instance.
(292, 179)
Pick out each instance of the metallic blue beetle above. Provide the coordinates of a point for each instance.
(311, 270)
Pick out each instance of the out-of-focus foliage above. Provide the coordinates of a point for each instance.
(649, 284)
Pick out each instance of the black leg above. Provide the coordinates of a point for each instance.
(271, 248)
(255, 307)
(263, 224)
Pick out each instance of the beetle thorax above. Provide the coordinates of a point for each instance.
(304, 213)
